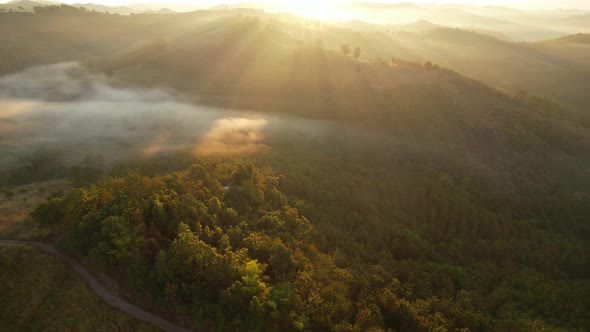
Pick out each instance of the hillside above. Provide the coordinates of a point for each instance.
(240, 170)
(29, 6)
(247, 251)
(227, 59)
(320, 81)
(511, 66)
(24, 5)
(580, 22)
(573, 49)
(121, 10)
(580, 38)
(516, 25)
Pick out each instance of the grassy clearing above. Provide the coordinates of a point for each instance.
(16, 203)
(39, 293)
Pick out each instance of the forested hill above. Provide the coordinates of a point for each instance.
(192, 40)
(378, 191)
(220, 245)
(238, 258)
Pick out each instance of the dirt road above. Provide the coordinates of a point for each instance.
(111, 298)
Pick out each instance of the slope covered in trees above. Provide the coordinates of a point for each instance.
(237, 257)
(407, 250)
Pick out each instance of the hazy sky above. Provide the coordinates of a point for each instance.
(528, 4)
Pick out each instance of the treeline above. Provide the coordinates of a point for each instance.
(483, 259)
(49, 9)
(13, 58)
(226, 244)
(50, 163)
(217, 242)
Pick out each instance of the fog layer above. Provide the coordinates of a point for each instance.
(67, 109)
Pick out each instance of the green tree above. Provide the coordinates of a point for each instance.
(49, 212)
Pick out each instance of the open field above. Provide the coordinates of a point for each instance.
(41, 294)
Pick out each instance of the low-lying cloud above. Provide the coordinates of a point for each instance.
(69, 107)
(77, 114)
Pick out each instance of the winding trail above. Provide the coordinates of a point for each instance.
(105, 294)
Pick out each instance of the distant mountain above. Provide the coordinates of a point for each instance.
(463, 37)
(380, 6)
(25, 5)
(559, 13)
(467, 17)
(360, 25)
(574, 49)
(417, 26)
(506, 22)
(549, 69)
(28, 6)
(578, 21)
(511, 29)
(243, 5)
(27, 2)
(121, 10)
(161, 11)
(580, 38)
(501, 11)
